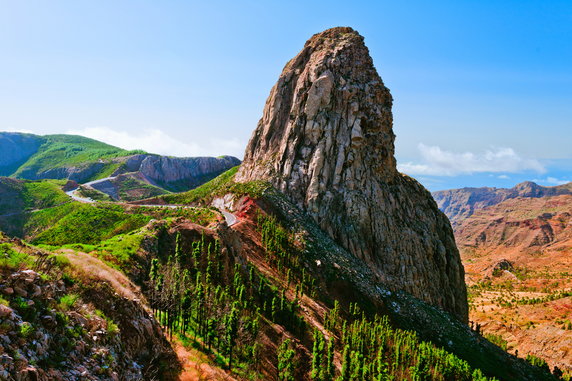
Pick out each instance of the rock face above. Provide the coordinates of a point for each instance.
(459, 204)
(181, 173)
(40, 342)
(172, 173)
(532, 232)
(326, 141)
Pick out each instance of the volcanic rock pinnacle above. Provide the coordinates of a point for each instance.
(326, 141)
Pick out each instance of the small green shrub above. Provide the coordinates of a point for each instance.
(497, 340)
(67, 301)
(61, 261)
(12, 259)
(68, 279)
(112, 328)
(537, 361)
(26, 330)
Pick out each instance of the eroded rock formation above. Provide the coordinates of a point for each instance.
(182, 173)
(326, 141)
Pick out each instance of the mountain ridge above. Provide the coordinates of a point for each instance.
(459, 204)
(81, 159)
(516, 247)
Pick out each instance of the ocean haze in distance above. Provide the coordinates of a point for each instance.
(481, 91)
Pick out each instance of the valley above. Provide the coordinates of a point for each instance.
(516, 246)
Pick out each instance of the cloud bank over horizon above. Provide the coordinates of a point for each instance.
(157, 141)
(436, 161)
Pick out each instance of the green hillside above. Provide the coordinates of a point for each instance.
(58, 151)
(18, 196)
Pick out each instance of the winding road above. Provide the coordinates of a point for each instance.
(75, 197)
(230, 218)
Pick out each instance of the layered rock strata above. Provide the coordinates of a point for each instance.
(460, 204)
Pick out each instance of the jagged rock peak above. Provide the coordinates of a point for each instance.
(326, 141)
(331, 83)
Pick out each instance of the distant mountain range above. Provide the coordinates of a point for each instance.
(518, 242)
(131, 174)
(459, 204)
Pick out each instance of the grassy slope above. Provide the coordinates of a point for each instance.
(65, 150)
(23, 195)
(131, 189)
(219, 186)
(82, 223)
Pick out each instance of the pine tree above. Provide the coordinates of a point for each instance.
(286, 363)
(346, 364)
(196, 254)
(178, 248)
(317, 352)
(231, 330)
(330, 367)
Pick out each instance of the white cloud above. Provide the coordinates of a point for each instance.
(24, 131)
(503, 177)
(439, 162)
(551, 181)
(157, 141)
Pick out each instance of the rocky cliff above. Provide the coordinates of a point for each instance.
(172, 173)
(51, 329)
(180, 173)
(326, 141)
(459, 204)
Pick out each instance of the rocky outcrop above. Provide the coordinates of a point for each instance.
(181, 173)
(15, 149)
(41, 339)
(459, 204)
(326, 141)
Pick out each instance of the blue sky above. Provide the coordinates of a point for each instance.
(482, 89)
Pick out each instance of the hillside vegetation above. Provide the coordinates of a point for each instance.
(263, 299)
(58, 151)
(62, 316)
(17, 196)
(231, 305)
